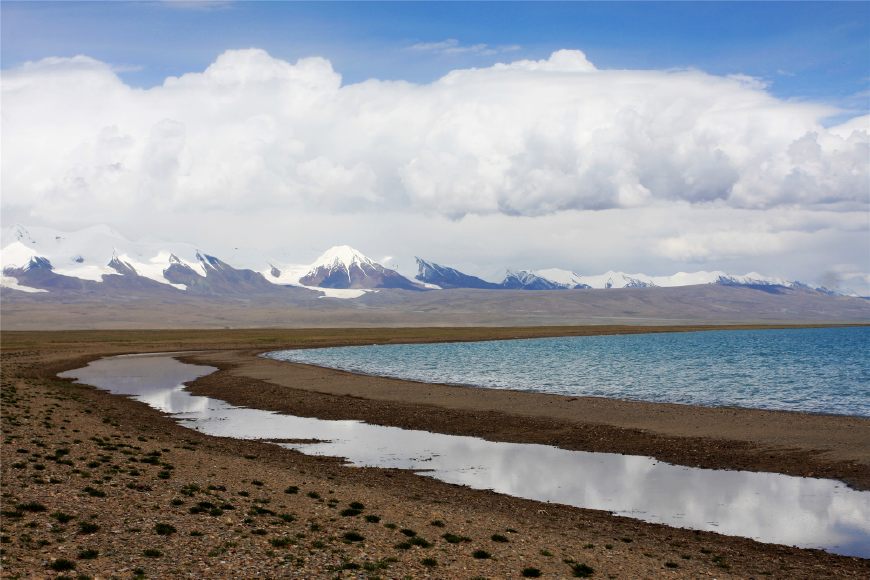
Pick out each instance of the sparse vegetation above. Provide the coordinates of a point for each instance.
(581, 570)
(88, 527)
(481, 554)
(62, 565)
(31, 506)
(62, 517)
(163, 529)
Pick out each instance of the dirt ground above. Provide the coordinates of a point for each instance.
(95, 485)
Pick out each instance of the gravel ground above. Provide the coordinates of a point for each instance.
(100, 486)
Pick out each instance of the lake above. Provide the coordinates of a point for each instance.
(819, 370)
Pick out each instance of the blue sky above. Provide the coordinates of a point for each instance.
(814, 51)
(529, 165)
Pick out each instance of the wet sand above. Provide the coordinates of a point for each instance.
(64, 442)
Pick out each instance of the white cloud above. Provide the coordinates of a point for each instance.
(452, 47)
(527, 138)
(515, 149)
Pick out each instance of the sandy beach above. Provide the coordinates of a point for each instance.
(245, 508)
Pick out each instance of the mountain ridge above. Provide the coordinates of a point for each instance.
(45, 260)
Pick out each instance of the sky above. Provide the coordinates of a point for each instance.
(642, 137)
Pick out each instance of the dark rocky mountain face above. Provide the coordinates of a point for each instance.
(528, 281)
(220, 278)
(445, 277)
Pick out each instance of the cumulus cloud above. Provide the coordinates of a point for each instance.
(518, 138)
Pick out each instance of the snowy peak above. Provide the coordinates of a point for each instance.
(342, 267)
(527, 280)
(22, 235)
(565, 278)
(342, 256)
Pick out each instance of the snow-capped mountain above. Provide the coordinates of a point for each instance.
(99, 259)
(445, 277)
(526, 280)
(39, 259)
(91, 259)
(558, 279)
(614, 279)
(345, 267)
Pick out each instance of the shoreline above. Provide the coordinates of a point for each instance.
(789, 442)
(103, 432)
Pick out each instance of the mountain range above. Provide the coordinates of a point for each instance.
(39, 260)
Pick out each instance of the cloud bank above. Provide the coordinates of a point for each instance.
(521, 138)
(707, 167)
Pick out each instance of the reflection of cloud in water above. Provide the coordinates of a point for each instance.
(765, 506)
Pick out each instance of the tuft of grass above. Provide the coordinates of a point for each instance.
(31, 506)
(88, 554)
(350, 566)
(151, 553)
(280, 542)
(671, 565)
(94, 492)
(357, 505)
(437, 523)
(291, 489)
(407, 532)
(454, 539)
(88, 527)
(350, 512)
(403, 546)
(313, 495)
(418, 541)
(429, 562)
(481, 554)
(162, 529)
(62, 517)
(581, 570)
(353, 537)
(546, 552)
(499, 538)
(373, 519)
(62, 565)
(531, 573)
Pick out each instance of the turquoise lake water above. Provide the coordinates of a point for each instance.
(822, 370)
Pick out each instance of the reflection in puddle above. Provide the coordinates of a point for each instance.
(765, 506)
